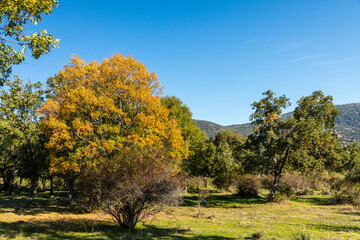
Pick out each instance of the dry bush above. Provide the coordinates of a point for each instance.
(290, 184)
(324, 181)
(130, 186)
(87, 193)
(247, 185)
(193, 184)
(298, 184)
(136, 184)
(202, 195)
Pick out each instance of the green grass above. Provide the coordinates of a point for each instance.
(224, 216)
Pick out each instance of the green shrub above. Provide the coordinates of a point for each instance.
(248, 185)
(286, 189)
(257, 235)
(59, 184)
(223, 181)
(303, 236)
(280, 197)
(349, 192)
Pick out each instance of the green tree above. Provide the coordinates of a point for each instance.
(227, 161)
(303, 142)
(14, 15)
(9, 153)
(350, 159)
(201, 151)
(23, 142)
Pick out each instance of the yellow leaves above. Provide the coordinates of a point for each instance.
(99, 108)
(270, 117)
(82, 127)
(50, 107)
(62, 165)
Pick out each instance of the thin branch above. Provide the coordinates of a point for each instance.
(17, 43)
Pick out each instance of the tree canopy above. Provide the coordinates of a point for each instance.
(22, 145)
(305, 141)
(227, 159)
(14, 15)
(96, 109)
(201, 151)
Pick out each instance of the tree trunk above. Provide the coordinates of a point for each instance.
(278, 170)
(34, 179)
(6, 184)
(51, 186)
(34, 183)
(71, 184)
(274, 187)
(43, 183)
(9, 178)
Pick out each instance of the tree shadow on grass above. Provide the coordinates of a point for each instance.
(222, 201)
(335, 228)
(81, 229)
(20, 205)
(313, 200)
(351, 213)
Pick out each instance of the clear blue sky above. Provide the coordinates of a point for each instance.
(216, 56)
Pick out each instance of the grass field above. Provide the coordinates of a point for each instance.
(223, 216)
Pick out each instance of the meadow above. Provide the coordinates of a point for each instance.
(221, 216)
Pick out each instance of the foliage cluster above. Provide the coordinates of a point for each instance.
(14, 15)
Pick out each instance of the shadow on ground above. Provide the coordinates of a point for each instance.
(222, 201)
(42, 204)
(80, 230)
(313, 200)
(357, 213)
(335, 228)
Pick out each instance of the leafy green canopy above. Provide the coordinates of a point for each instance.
(226, 162)
(22, 143)
(14, 15)
(303, 142)
(201, 151)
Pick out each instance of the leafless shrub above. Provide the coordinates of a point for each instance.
(324, 181)
(202, 195)
(193, 184)
(290, 184)
(136, 184)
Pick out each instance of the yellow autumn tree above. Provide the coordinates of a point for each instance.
(96, 109)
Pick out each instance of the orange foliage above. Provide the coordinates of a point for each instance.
(270, 118)
(98, 108)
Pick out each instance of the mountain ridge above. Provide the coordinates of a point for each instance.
(347, 124)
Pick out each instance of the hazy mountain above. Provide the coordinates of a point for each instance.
(347, 124)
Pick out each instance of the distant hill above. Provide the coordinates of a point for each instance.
(347, 125)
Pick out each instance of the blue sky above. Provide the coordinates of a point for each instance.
(217, 56)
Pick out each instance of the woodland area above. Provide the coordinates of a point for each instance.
(101, 145)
